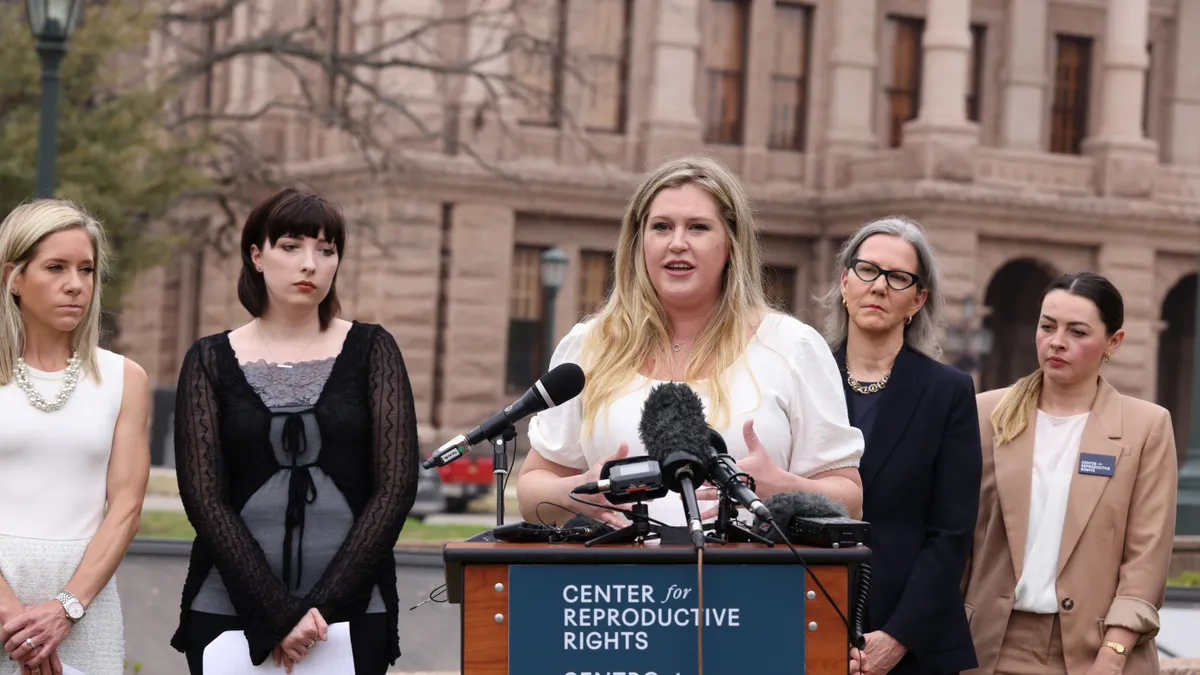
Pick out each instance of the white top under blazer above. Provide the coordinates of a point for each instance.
(786, 380)
(1055, 454)
(54, 465)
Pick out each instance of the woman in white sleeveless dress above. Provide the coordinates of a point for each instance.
(74, 454)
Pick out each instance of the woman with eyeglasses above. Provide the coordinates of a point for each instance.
(921, 464)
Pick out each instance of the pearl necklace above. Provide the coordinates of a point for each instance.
(70, 379)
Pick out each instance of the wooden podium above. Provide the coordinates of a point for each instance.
(477, 578)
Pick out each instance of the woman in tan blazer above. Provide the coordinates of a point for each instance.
(1077, 504)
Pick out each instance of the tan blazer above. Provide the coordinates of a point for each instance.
(1116, 541)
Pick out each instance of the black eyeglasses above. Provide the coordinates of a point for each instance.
(898, 280)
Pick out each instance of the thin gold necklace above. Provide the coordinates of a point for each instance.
(258, 329)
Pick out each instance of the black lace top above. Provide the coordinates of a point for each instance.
(223, 455)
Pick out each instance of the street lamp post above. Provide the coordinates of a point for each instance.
(968, 342)
(52, 22)
(1187, 514)
(554, 273)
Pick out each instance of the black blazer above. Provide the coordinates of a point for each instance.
(921, 473)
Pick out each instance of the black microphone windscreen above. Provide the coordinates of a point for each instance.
(562, 383)
(717, 442)
(785, 505)
(672, 421)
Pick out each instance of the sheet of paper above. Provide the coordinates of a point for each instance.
(230, 655)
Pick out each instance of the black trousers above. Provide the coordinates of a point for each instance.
(368, 640)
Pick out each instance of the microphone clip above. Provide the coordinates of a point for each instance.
(728, 529)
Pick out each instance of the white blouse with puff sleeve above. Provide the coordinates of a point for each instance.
(787, 381)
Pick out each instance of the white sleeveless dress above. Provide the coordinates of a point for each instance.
(53, 473)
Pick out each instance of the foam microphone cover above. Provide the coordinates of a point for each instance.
(673, 421)
(787, 505)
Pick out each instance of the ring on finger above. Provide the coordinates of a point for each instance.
(311, 644)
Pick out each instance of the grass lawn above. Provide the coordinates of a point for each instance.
(175, 525)
(1188, 578)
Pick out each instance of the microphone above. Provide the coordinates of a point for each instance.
(813, 520)
(726, 475)
(561, 384)
(673, 430)
(678, 400)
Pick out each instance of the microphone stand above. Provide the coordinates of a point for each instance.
(730, 530)
(500, 468)
(638, 529)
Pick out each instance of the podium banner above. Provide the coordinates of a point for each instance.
(642, 619)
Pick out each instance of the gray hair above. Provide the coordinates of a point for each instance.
(921, 334)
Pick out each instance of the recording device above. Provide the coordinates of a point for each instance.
(626, 480)
(576, 530)
(813, 520)
(556, 387)
(673, 430)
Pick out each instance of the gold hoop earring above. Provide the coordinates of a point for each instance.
(1107, 357)
(844, 302)
(908, 320)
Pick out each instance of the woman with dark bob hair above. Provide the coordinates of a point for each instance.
(296, 452)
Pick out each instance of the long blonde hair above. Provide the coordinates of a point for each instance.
(1015, 410)
(633, 326)
(20, 234)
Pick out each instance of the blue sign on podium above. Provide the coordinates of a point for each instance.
(643, 619)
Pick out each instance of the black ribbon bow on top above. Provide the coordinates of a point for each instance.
(302, 491)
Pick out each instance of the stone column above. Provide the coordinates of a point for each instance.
(1024, 76)
(477, 314)
(852, 74)
(850, 125)
(947, 52)
(1129, 265)
(941, 138)
(756, 111)
(1125, 63)
(672, 124)
(1126, 159)
(1183, 110)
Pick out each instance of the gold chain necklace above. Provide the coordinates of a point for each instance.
(872, 388)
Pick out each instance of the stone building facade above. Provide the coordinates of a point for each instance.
(1029, 137)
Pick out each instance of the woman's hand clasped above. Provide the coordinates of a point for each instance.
(294, 647)
(604, 515)
(32, 638)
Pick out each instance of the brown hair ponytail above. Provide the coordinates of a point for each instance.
(1012, 416)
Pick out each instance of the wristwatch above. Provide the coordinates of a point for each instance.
(1117, 647)
(73, 606)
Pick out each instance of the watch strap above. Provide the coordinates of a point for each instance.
(67, 600)
(1117, 647)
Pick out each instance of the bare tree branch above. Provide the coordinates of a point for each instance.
(348, 89)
